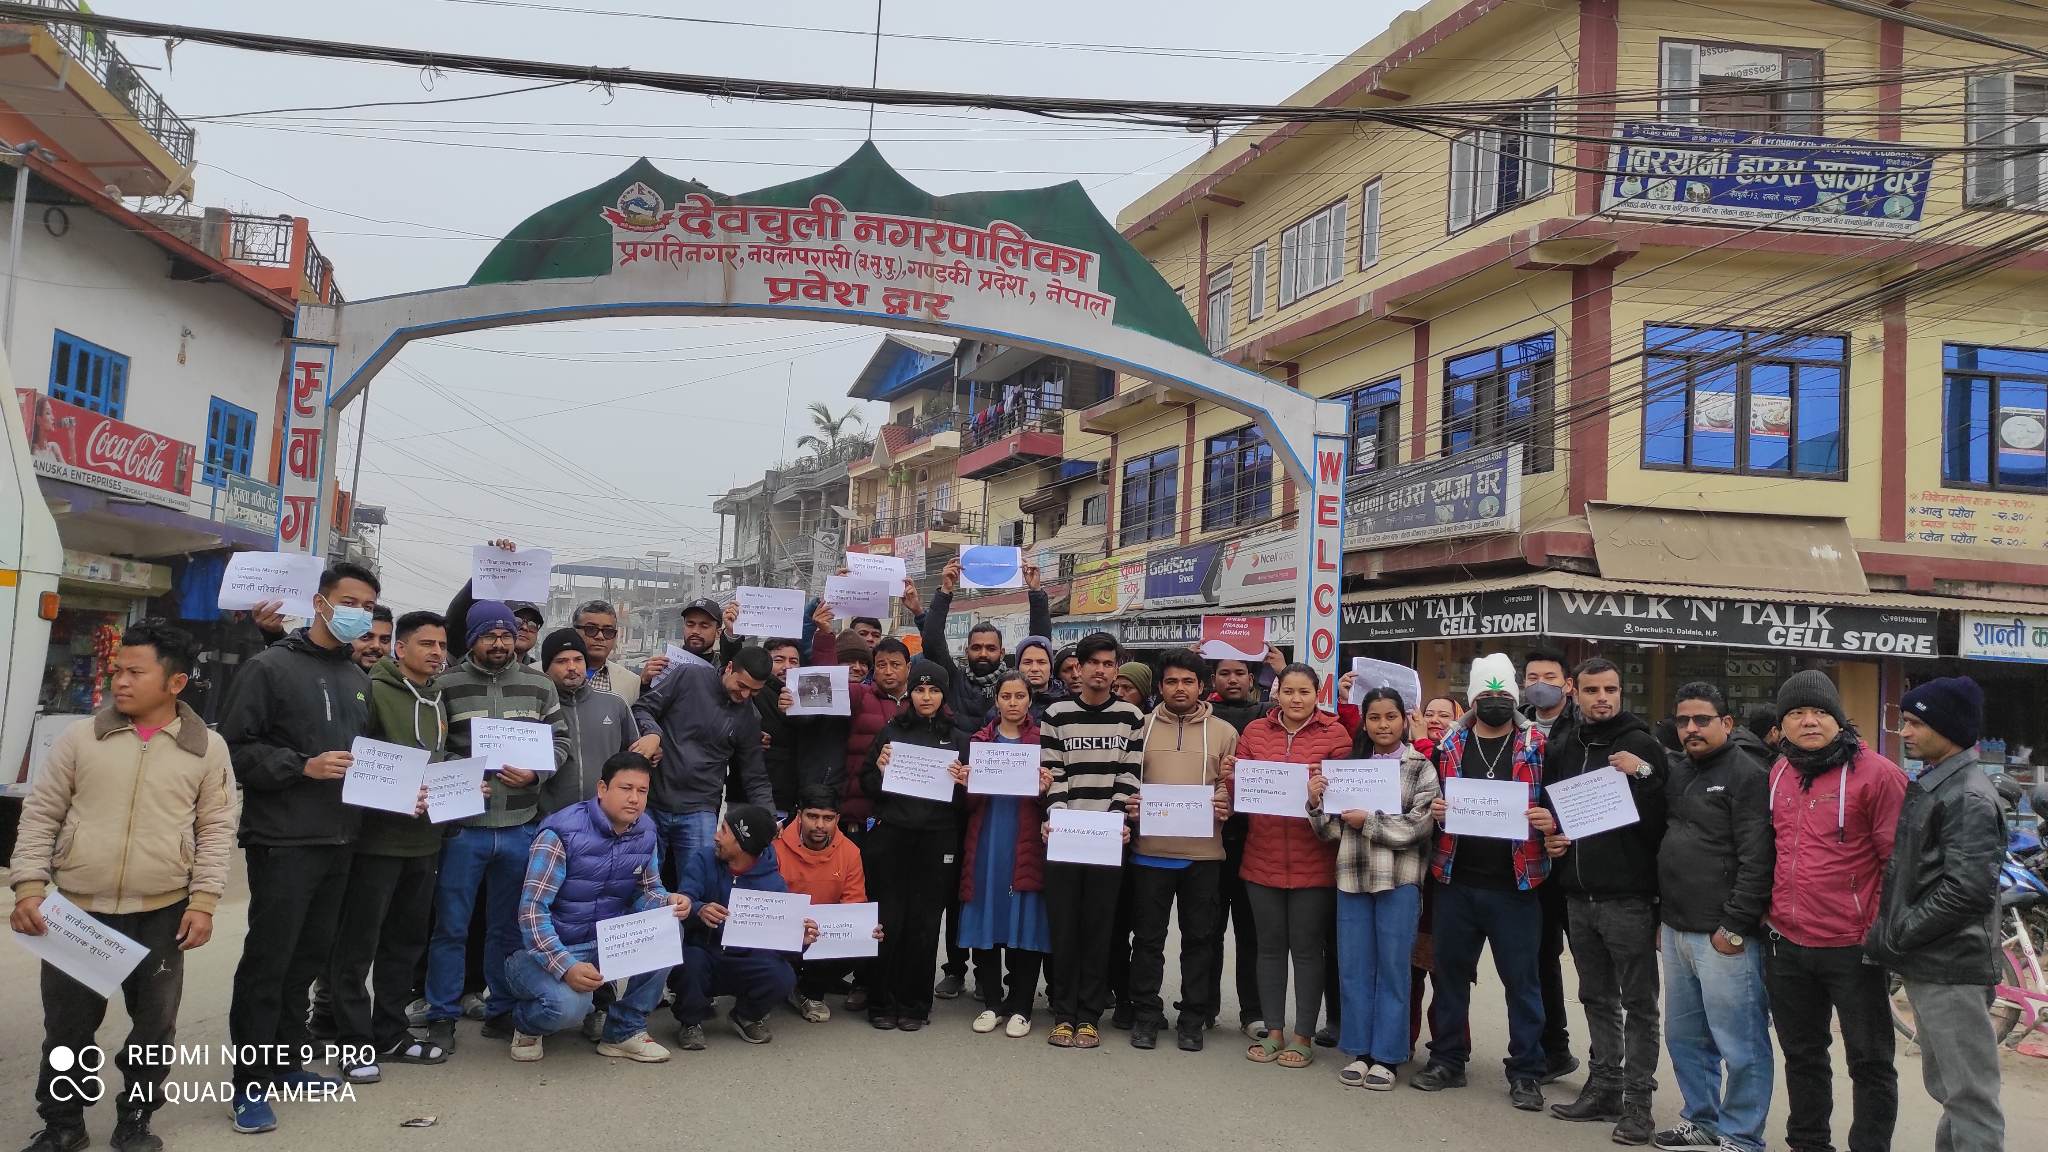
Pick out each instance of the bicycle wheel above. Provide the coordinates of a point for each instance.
(2006, 1015)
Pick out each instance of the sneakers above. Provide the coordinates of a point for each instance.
(56, 1139)
(1559, 1066)
(1145, 1035)
(1062, 1036)
(1686, 1137)
(132, 1134)
(987, 1021)
(473, 1006)
(690, 1037)
(1087, 1036)
(1594, 1104)
(1526, 1095)
(498, 1027)
(1188, 1035)
(525, 1049)
(752, 1031)
(813, 1011)
(251, 1112)
(1018, 1027)
(638, 1047)
(1636, 1124)
(593, 1025)
(1437, 1077)
(950, 987)
(1253, 1029)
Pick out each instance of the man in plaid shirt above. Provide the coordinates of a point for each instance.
(590, 862)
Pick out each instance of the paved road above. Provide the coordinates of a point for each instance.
(850, 1088)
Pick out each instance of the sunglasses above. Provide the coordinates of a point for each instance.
(1694, 721)
(598, 631)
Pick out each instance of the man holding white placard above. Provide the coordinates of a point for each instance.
(743, 857)
(488, 853)
(1486, 894)
(1185, 744)
(592, 862)
(819, 861)
(106, 826)
(1609, 879)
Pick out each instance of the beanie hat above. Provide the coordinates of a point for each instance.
(487, 616)
(1493, 672)
(1033, 642)
(852, 648)
(923, 671)
(559, 641)
(752, 826)
(1811, 689)
(1138, 674)
(1951, 705)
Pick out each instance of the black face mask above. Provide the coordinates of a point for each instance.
(1494, 711)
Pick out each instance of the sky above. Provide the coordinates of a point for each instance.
(614, 437)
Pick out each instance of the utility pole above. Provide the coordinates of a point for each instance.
(22, 152)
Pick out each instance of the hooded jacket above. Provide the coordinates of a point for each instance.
(707, 880)
(402, 714)
(971, 706)
(291, 702)
(914, 812)
(1284, 851)
(1714, 866)
(600, 727)
(1620, 861)
(1834, 841)
(514, 692)
(834, 876)
(703, 731)
(1187, 749)
(1937, 922)
(1027, 867)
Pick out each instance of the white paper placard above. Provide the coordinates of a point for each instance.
(495, 574)
(1002, 769)
(845, 931)
(991, 566)
(384, 776)
(915, 770)
(1593, 802)
(1271, 788)
(870, 566)
(820, 691)
(82, 947)
(854, 596)
(1176, 810)
(770, 611)
(773, 921)
(1368, 674)
(454, 789)
(1362, 786)
(1496, 808)
(1086, 837)
(253, 577)
(526, 744)
(680, 655)
(640, 942)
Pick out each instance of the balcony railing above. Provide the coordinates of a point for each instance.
(932, 424)
(265, 241)
(1028, 414)
(95, 51)
(955, 520)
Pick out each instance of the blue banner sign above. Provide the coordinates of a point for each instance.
(1721, 176)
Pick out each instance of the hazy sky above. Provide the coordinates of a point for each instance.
(407, 197)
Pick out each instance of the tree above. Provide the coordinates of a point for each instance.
(830, 433)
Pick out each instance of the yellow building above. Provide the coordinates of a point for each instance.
(1636, 364)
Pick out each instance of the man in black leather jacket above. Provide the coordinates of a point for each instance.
(1937, 922)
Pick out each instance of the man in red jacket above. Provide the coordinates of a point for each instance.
(1834, 811)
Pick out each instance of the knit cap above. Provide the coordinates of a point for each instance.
(559, 641)
(1951, 705)
(485, 617)
(1493, 672)
(1138, 674)
(1811, 689)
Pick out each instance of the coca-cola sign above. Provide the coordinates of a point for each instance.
(83, 447)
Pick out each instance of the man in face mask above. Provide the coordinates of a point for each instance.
(1486, 890)
(1548, 700)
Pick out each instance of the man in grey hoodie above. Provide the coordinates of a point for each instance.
(600, 723)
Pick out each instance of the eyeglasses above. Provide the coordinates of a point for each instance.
(598, 631)
(528, 626)
(1694, 721)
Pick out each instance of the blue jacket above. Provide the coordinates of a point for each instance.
(601, 877)
(706, 881)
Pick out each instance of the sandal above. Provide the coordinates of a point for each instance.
(412, 1051)
(1296, 1056)
(1353, 1074)
(362, 1073)
(1266, 1050)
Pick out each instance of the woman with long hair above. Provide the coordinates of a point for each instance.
(1002, 877)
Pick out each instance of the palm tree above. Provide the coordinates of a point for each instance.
(830, 433)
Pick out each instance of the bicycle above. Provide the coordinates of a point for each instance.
(2020, 998)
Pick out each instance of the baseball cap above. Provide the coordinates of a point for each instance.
(707, 606)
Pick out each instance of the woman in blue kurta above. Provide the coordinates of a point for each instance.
(1002, 879)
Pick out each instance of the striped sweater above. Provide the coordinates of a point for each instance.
(514, 692)
(1094, 753)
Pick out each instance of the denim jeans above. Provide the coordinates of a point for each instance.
(1716, 1012)
(1614, 947)
(684, 835)
(544, 1004)
(756, 980)
(495, 860)
(1375, 940)
(1509, 922)
(1811, 989)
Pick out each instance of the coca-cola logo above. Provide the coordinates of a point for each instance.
(132, 453)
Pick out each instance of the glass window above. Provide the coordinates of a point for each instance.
(1496, 168)
(1369, 226)
(85, 374)
(1312, 253)
(1733, 400)
(1151, 492)
(230, 441)
(1095, 509)
(1994, 427)
(1503, 396)
(1237, 479)
(1739, 87)
(1217, 301)
(1376, 427)
(1255, 292)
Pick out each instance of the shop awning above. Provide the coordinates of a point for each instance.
(1730, 549)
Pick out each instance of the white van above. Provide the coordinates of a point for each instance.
(30, 559)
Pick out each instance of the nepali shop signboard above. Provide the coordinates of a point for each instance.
(80, 446)
(252, 504)
(1471, 495)
(1513, 612)
(1181, 577)
(1723, 176)
(857, 239)
(1093, 589)
(2015, 639)
(1850, 630)
(1260, 569)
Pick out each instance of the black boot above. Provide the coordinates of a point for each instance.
(1594, 1103)
(1636, 1125)
(59, 1138)
(132, 1134)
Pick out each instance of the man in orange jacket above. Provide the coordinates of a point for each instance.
(824, 865)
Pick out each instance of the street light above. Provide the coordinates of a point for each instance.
(657, 556)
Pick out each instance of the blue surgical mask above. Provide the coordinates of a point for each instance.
(348, 623)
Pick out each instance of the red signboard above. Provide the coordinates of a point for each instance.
(83, 447)
(1234, 637)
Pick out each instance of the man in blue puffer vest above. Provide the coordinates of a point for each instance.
(592, 861)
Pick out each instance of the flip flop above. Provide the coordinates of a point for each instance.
(1296, 1056)
(1266, 1050)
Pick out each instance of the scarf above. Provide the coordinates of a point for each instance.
(986, 685)
(1839, 753)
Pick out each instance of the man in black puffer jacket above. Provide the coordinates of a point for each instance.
(1610, 885)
